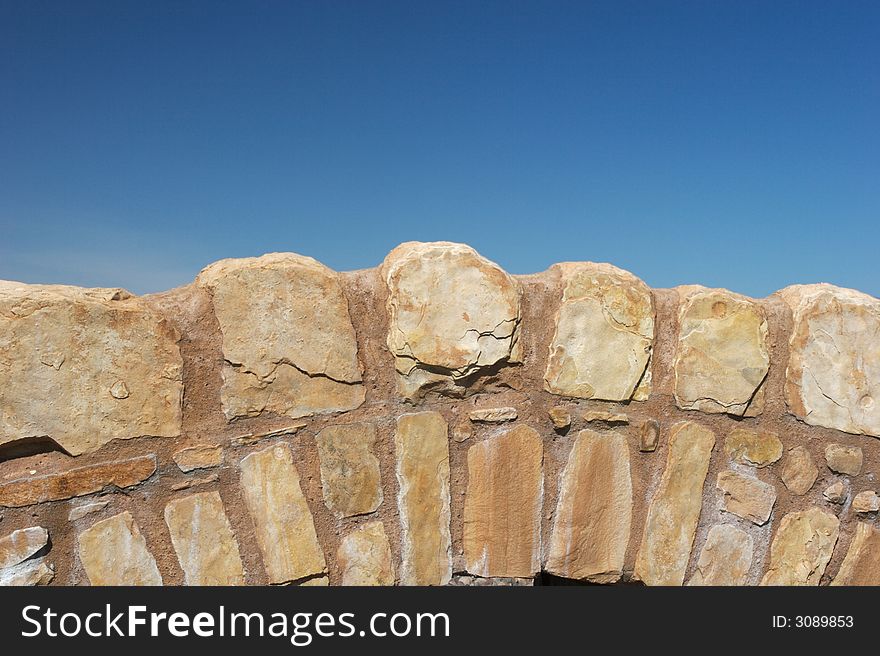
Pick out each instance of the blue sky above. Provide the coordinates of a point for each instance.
(731, 144)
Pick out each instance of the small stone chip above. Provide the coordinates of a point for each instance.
(835, 493)
(605, 417)
(493, 415)
(202, 456)
(86, 509)
(649, 436)
(799, 472)
(560, 417)
(866, 502)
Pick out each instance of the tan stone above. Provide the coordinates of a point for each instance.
(560, 417)
(202, 456)
(726, 557)
(674, 512)
(649, 436)
(422, 457)
(79, 512)
(492, 415)
(601, 347)
(85, 366)
(288, 342)
(861, 565)
(193, 482)
(753, 447)
(844, 459)
(502, 508)
(350, 477)
(722, 357)
(833, 374)
(746, 497)
(203, 540)
(28, 573)
(799, 472)
(866, 502)
(364, 556)
(594, 510)
(605, 417)
(315, 582)
(76, 482)
(20, 545)
(801, 548)
(113, 552)
(282, 519)
(835, 493)
(453, 314)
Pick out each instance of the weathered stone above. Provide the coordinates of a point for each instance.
(350, 477)
(649, 436)
(726, 557)
(282, 519)
(605, 417)
(252, 438)
(835, 493)
(79, 512)
(672, 518)
(77, 482)
(601, 347)
(463, 580)
(861, 565)
(422, 455)
(315, 582)
(202, 456)
(833, 374)
(288, 342)
(753, 447)
(20, 545)
(113, 552)
(866, 502)
(364, 556)
(28, 573)
(560, 417)
(203, 540)
(594, 510)
(502, 508)
(453, 314)
(799, 472)
(85, 366)
(722, 357)
(801, 548)
(746, 497)
(493, 415)
(844, 459)
(193, 482)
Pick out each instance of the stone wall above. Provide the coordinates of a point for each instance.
(434, 421)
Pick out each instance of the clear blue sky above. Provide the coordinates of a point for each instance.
(731, 144)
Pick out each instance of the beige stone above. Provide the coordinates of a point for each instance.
(560, 417)
(594, 510)
(866, 502)
(722, 357)
(649, 436)
(113, 552)
(861, 565)
(422, 468)
(315, 582)
(493, 415)
(746, 497)
(193, 482)
(203, 540)
(85, 366)
(289, 346)
(726, 557)
(801, 548)
(20, 545)
(28, 573)
(202, 456)
(601, 347)
(350, 477)
(674, 512)
(78, 512)
(833, 374)
(282, 519)
(502, 509)
(452, 315)
(844, 459)
(799, 472)
(605, 417)
(835, 493)
(753, 447)
(364, 556)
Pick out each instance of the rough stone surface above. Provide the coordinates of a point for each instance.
(866, 502)
(28, 573)
(649, 436)
(746, 497)
(364, 556)
(288, 342)
(79, 512)
(203, 456)
(722, 357)
(493, 415)
(203, 540)
(20, 545)
(752, 447)
(85, 366)
(605, 417)
(350, 477)
(861, 565)
(502, 510)
(835, 493)
(833, 374)
(601, 348)
(77, 482)
(844, 459)
(453, 314)
(594, 511)
(726, 557)
(422, 467)
(463, 580)
(799, 472)
(282, 519)
(672, 518)
(802, 548)
(560, 417)
(113, 552)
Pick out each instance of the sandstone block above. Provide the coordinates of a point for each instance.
(605, 417)
(835, 493)
(801, 548)
(866, 502)
(844, 459)
(746, 497)
(113, 552)
(726, 557)
(799, 472)
(202, 456)
(861, 565)
(20, 545)
(560, 417)
(492, 415)
(364, 556)
(752, 447)
(28, 573)
(350, 477)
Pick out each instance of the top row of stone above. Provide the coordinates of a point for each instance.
(86, 366)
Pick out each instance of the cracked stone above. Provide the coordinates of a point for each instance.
(843, 459)
(861, 565)
(492, 415)
(752, 447)
(350, 478)
(20, 545)
(835, 493)
(28, 573)
(364, 556)
(726, 557)
(746, 497)
(802, 548)
(799, 472)
(866, 502)
(203, 456)
(114, 552)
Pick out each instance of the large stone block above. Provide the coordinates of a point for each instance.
(802, 548)
(861, 565)
(350, 478)
(726, 557)
(364, 556)
(114, 552)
